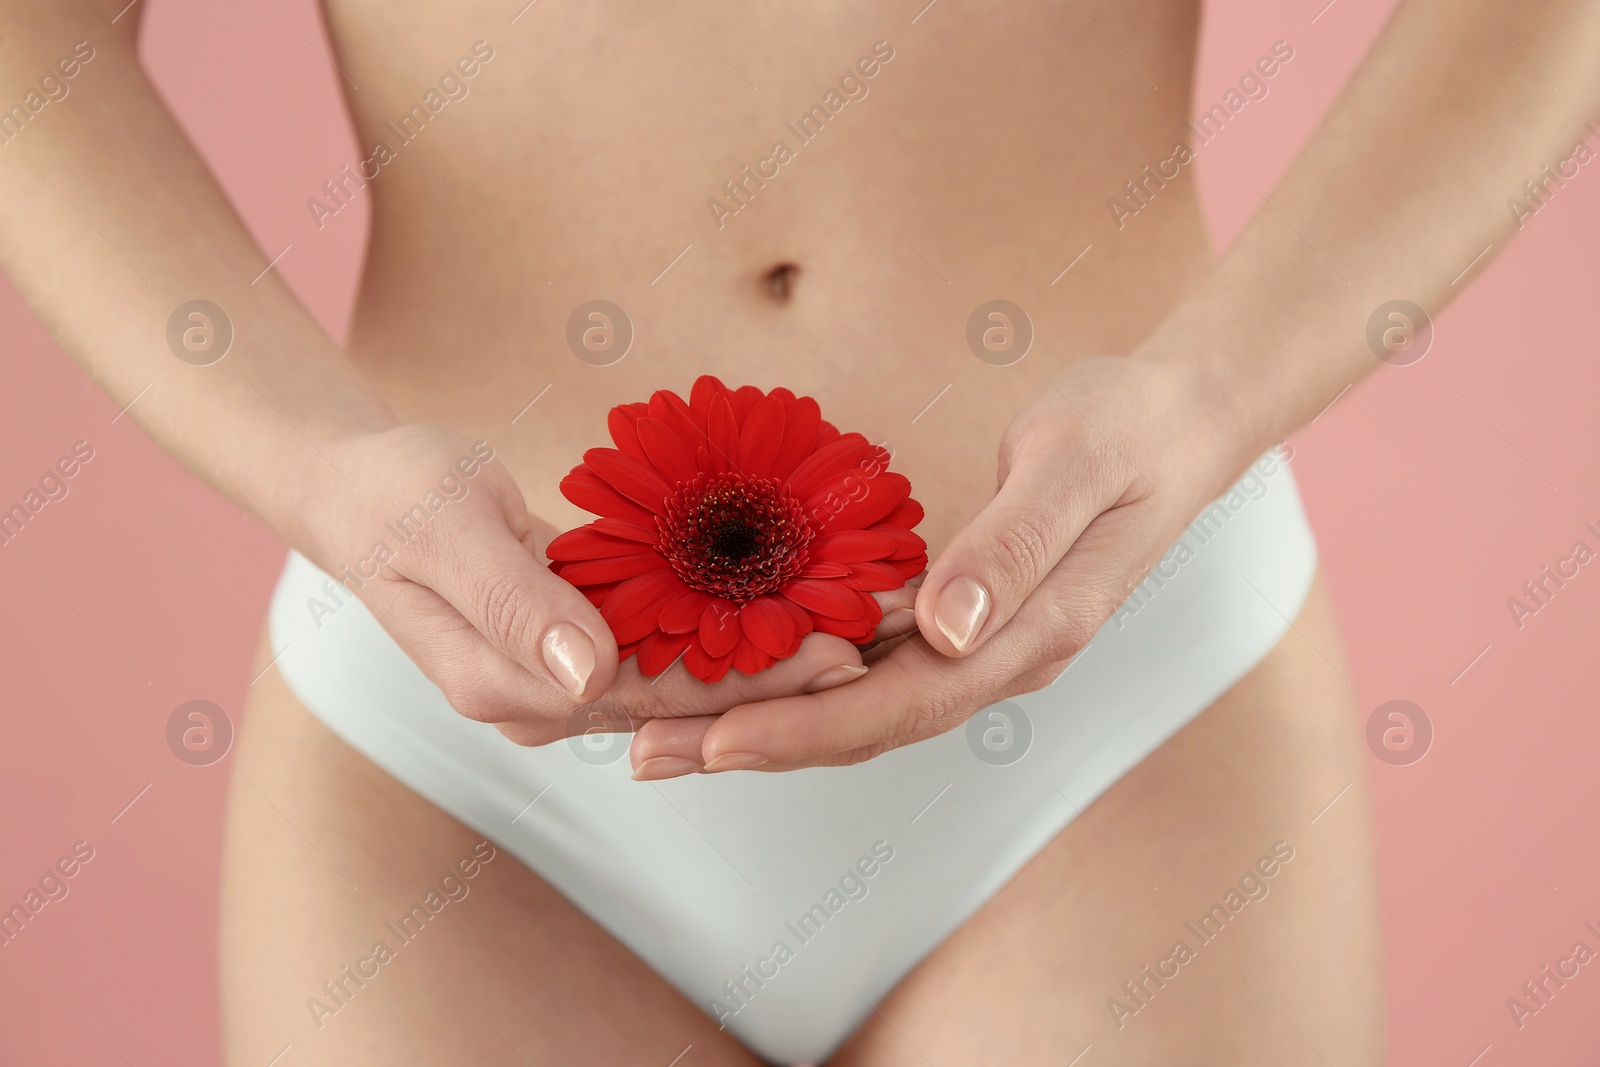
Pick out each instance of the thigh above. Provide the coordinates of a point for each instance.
(1080, 951)
(327, 858)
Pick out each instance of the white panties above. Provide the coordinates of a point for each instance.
(787, 905)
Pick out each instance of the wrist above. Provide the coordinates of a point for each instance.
(1220, 411)
(329, 488)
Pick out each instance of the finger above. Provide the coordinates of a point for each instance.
(899, 613)
(988, 570)
(822, 661)
(478, 680)
(525, 612)
(911, 694)
(668, 748)
(664, 735)
(880, 649)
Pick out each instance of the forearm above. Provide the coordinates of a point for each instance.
(109, 221)
(1402, 186)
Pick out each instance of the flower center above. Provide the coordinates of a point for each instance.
(732, 536)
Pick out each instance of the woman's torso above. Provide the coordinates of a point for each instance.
(577, 160)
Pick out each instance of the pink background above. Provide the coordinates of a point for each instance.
(1430, 514)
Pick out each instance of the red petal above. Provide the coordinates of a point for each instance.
(829, 598)
(825, 569)
(796, 611)
(658, 652)
(588, 543)
(858, 509)
(668, 407)
(682, 616)
(875, 577)
(612, 569)
(802, 617)
(667, 452)
(856, 631)
(586, 489)
(761, 437)
(744, 400)
(706, 668)
(748, 659)
(623, 425)
(801, 422)
(907, 514)
(910, 568)
(633, 479)
(827, 434)
(596, 593)
(828, 464)
(706, 388)
(719, 627)
(624, 651)
(767, 626)
(627, 530)
(635, 604)
(906, 543)
(723, 434)
(851, 546)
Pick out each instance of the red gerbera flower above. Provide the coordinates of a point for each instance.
(734, 525)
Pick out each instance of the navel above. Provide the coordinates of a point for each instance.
(781, 280)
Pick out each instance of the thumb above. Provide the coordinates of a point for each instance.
(526, 612)
(986, 573)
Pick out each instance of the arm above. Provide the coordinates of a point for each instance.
(1404, 183)
(1401, 187)
(109, 221)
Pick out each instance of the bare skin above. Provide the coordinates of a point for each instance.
(1025, 981)
(979, 165)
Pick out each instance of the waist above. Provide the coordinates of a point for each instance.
(927, 338)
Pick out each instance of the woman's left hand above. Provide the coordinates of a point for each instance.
(1097, 479)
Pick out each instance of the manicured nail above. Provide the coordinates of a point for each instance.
(959, 612)
(833, 676)
(735, 761)
(658, 767)
(897, 623)
(569, 654)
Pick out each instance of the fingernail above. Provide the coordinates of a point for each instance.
(897, 623)
(658, 767)
(959, 612)
(833, 676)
(735, 761)
(569, 654)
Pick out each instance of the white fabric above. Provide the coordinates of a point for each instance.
(704, 876)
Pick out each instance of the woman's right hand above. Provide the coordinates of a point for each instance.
(432, 533)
